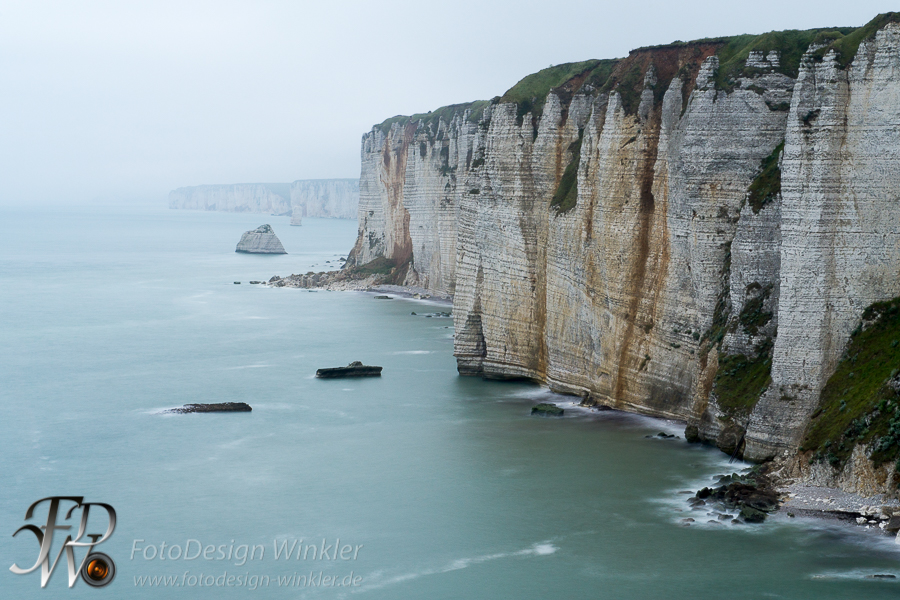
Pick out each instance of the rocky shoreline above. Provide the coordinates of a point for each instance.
(763, 491)
(350, 281)
(766, 490)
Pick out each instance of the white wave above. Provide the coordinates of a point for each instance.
(257, 366)
(537, 549)
(414, 352)
(859, 574)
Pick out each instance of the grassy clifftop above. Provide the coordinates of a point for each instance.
(432, 117)
(678, 58)
(847, 44)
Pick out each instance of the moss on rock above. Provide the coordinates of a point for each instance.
(767, 184)
(860, 403)
(566, 195)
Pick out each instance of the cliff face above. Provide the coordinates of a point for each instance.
(692, 231)
(331, 198)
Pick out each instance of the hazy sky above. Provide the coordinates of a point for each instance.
(108, 101)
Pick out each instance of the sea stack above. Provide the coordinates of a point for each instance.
(297, 216)
(261, 240)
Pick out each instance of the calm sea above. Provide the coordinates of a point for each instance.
(441, 486)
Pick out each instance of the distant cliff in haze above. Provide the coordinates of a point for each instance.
(330, 198)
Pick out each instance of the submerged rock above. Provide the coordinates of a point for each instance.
(208, 408)
(692, 434)
(893, 525)
(261, 240)
(752, 515)
(546, 409)
(354, 369)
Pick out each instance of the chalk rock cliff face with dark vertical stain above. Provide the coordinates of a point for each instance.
(692, 231)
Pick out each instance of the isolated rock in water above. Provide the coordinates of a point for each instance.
(297, 216)
(893, 525)
(354, 369)
(206, 408)
(546, 409)
(261, 240)
(752, 515)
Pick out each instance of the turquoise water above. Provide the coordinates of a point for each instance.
(444, 487)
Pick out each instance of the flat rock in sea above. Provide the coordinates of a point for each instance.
(261, 240)
(354, 369)
(545, 409)
(208, 408)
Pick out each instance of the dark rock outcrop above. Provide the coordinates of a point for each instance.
(209, 408)
(545, 409)
(753, 496)
(354, 369)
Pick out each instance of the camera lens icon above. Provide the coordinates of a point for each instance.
(99, 570)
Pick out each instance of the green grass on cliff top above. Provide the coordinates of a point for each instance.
(858, 404)
(847, 45)
(530, 93)
(537, 85)
(445, 112)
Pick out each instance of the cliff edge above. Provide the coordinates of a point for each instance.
(693, 231)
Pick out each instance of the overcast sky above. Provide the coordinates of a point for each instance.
(123, 101)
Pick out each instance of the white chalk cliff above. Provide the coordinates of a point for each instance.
(328, 198)
(637, 224)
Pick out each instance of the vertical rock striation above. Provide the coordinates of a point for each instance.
(692, 231)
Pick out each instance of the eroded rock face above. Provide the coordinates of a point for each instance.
(840, 227)
(665, 267)
(261, 240)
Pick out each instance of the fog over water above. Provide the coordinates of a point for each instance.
(109, 102)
